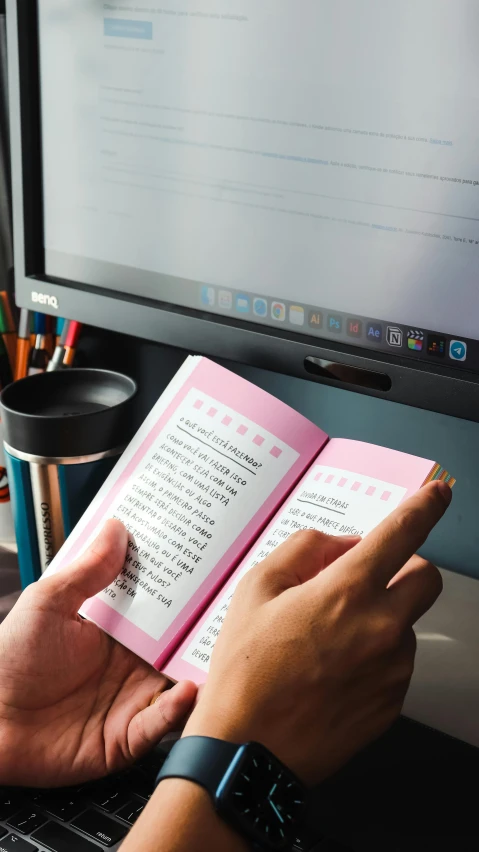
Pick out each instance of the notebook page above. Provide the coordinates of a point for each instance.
(333, 499)
(206, 477)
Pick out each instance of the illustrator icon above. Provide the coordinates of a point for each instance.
(315, 319)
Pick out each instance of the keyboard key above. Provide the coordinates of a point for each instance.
(13, 843)
(62, 806)
(139, 784)
(3, 831)
(100, 827)
(10, 802)
(27, 820)
(57, 838)
(131, 811)
(109, 797)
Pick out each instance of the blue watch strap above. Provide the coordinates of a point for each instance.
(203, 760)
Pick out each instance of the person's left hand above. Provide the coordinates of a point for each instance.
(74, 704)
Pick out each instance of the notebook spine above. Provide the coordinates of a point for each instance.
(439, 473)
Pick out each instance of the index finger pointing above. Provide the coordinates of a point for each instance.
(387, 548)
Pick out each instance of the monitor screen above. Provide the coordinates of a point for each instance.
(307, 166)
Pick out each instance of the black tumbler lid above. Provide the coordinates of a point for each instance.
(68, 413)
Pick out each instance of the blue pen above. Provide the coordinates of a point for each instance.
(59, 329)
(39, 324)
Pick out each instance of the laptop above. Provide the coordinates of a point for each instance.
(414, 790)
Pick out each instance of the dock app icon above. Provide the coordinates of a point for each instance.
(242, 304)
(374, 332)
(315, 319)
(415, 339)
(458, 350)
(355, 328)
(394, 336)
(225, 300)
(208, 296)
(335, 323)
(436, 345)
(296, 315)
(278, 311)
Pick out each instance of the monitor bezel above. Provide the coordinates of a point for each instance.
(443, 389)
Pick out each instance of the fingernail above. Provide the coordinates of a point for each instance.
(445, 492)
(351, 537)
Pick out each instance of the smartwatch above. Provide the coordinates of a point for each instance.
(250, 788)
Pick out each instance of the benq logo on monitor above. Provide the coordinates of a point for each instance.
(43, 299)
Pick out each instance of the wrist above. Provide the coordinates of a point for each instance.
(218, 723)
(195, 827)
(238, 724)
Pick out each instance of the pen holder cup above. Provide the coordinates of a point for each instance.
(63, 433)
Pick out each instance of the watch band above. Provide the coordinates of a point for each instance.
(207, 759)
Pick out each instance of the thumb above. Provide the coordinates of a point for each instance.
(301, 558)
(167, 714)
(98, 566)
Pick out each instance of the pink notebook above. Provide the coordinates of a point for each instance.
(219, 474)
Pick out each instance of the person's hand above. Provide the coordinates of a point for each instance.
(317, 650)
(74, 704)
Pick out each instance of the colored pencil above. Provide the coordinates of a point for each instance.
(8, 328)
(71, 342)
(49, 337)
(23, 345)
(59, 329)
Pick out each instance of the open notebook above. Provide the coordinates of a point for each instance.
(219, 474)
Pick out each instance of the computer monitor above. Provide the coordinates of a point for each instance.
(292, 185)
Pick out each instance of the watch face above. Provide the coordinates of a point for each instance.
(264, 798)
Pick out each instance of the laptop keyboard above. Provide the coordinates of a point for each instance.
(76, 819)
(90, 817)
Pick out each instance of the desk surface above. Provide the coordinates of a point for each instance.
(444, 691)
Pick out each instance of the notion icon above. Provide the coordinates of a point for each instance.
(394, 336)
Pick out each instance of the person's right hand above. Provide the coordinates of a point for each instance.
(317, 650)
